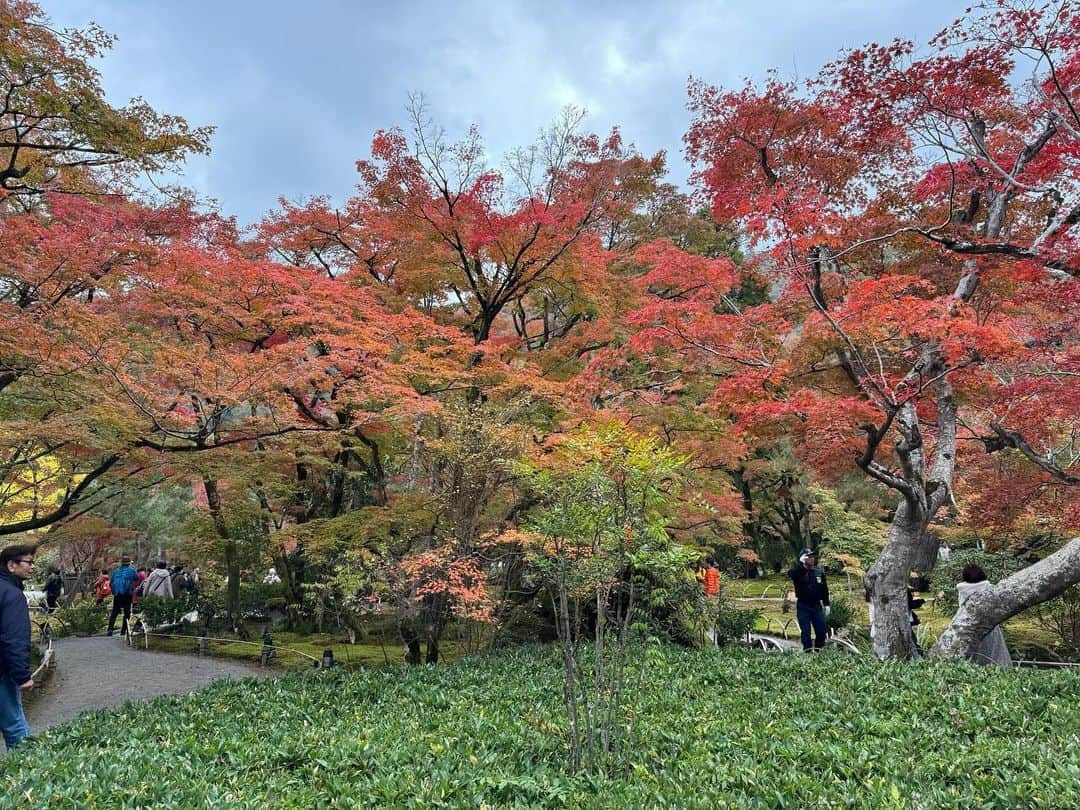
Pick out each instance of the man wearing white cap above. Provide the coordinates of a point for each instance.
(811, 599)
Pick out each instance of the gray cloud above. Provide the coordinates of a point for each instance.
(296, 90)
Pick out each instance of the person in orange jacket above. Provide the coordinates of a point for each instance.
(102, 589)
(712, 580)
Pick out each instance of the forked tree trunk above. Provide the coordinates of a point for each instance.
(925, 489)
(887, 582)
(988, 608)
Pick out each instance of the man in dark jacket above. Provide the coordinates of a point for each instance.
(811, 599)
(16, 564)
(122, 583)
(54, 587)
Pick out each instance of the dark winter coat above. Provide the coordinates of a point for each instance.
(181, 583)
(811, 587)
(54, 585)
(14, 630)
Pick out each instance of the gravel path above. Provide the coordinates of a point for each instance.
(100, 672)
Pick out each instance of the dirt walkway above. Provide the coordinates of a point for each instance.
(99, 672)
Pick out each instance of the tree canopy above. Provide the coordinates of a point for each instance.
(875, 275)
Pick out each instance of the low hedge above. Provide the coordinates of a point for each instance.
(727, 729)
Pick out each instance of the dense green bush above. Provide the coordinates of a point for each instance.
(256, 600)
(840, 613)
(157, 610)
(733, 623)
(728, 729)
(1060, 617)
(82, 618)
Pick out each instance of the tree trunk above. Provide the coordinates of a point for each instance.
(288, 578)
(412, 644)
(232, 593)
(924, 554)
(887, 582)
(232, 560)
(986, 609)
(923, 495)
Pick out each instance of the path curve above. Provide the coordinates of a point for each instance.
(101, 672)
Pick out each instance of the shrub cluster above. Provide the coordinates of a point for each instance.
(157, 610)
(727, 729)
(84, 617)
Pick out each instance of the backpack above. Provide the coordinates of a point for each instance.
(122, 580)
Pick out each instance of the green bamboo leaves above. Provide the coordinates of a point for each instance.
(727, 729)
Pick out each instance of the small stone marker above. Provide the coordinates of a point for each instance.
(268, 650)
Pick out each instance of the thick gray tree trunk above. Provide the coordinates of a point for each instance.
(887, 582)
(988, 608)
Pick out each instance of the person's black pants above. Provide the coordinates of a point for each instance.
(811, 617)
(120, 602)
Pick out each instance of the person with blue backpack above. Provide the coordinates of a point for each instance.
(122, 583)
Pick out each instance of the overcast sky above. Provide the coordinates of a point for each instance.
(296, 89)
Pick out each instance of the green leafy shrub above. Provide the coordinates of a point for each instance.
(840, 614)
(1060, 617)
(210, 603)
(256, 596)
(733, 623)
(157, 610)
(82, 618)
(275, 603)
(848, 538)
(714, 730)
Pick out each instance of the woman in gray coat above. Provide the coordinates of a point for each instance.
(159, 583)
(992, 649)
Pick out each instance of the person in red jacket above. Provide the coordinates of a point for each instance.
(712, 580)
(140, 578)
(102, 589)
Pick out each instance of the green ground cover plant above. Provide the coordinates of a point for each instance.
(296, 650)
(715, 729)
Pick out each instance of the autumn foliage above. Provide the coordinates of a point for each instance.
(906, 309)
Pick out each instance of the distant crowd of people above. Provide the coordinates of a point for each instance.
(127, 586)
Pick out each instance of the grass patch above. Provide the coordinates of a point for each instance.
(771, 586)
(727, 729)
(377, 646)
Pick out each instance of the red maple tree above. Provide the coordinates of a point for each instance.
(919, 213)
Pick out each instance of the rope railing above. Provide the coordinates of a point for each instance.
(47, 656)
(200, 641)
